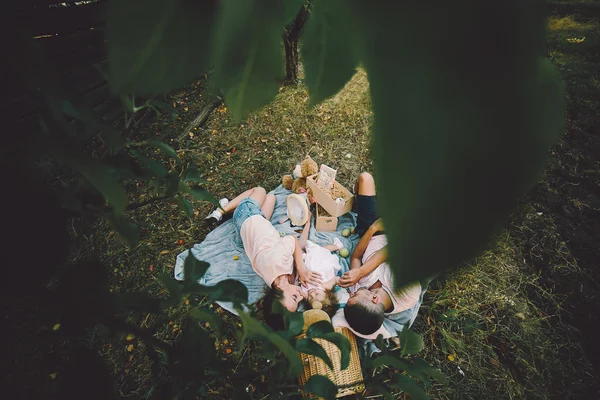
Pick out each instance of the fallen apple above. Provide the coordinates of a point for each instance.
(344, 252)
(345, 232)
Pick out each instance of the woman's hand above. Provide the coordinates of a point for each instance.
(310, 277)
(350, 278)
(377, 226)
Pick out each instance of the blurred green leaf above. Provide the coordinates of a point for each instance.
(116, 142)
(140, 302)
(203, 195)
(382, 391)
(82, 296)
(343, 344)
(253, 329)
(390, 361)
(153, 166)
(172, 184)
(321, 386)
(204, 315)
(328, 49)
(127, 103)
(410, 386)
(379, 343)
(415, 373)
(309, 346)
(192, 390)
(100, 177)
(126, 229)
(194, 350)
(410, 342)
(166, 48)
(186, 206)
(291, 8)
(294, 322)
(86, 377)
(247, 53)
(423, 366)
(175, 290)
(228, 290)
(319, 328)
(123, 167)
(160, 105)
(192, 174)
(165, 148)
(470, 127)
(193, 269)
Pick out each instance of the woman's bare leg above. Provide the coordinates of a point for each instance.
(268, 206)
(257, 193)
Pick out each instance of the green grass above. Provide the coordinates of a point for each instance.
(513, 323)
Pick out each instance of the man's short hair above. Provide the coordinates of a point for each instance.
(364, 318)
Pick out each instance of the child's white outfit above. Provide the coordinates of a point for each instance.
(321, 260)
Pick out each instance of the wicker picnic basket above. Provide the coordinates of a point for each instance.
(350, 380)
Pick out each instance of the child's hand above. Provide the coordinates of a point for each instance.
(310, 277)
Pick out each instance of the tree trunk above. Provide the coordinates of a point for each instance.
(291, 35)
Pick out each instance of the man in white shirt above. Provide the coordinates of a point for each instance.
(373, 293)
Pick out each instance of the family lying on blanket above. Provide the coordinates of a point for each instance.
(297, 269)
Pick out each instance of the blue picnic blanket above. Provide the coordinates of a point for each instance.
(220, 247)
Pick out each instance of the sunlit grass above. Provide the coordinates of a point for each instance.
(495, 327)
(568, 23)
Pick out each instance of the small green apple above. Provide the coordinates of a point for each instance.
(345, 232)
(344, 252)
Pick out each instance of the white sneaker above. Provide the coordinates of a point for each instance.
(215, 214)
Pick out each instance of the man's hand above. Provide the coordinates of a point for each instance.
(350, 278)
(310, 277)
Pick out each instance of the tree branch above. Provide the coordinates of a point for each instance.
(135, 206)
(201, 118)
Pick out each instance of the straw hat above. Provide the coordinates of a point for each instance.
(297, 209)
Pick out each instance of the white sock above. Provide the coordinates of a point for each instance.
(338, 243)
(217, 214)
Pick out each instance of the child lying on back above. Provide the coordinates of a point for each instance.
(320, 259)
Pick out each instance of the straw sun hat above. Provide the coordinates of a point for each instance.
(297, 209)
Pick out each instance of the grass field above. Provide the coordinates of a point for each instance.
(516, 322)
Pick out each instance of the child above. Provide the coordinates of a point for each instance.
(320, 259)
